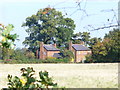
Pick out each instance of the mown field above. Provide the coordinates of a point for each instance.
(102, 75)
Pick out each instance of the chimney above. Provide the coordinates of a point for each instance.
(41, 50)
(54, 45)
(70, 45)
(37, 54)
(82, 43)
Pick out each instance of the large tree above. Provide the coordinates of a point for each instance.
(113, 44)
(108, 49)
(48, 25)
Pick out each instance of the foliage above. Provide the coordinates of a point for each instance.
(35, 61)
(6, 39)
(19, 54)
(67, 54)
(48, 25)
(30, 54)
(113, 44)
(107, 50)
(94, 40)
(22, 54)
(85, 37)
(28, 80)
(7, 53)
(89, 59)
(81, 37)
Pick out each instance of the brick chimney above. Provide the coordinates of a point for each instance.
(41, 50)
(37, 54)
(82, 43)
(70, 45)
(54, 45)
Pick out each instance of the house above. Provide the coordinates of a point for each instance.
(50, 50)
(46, 51)
(79, 51)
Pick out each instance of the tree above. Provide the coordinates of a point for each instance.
(85, 37)
(48, 25)
(108, 49)
(93, 41)
(99, 51)
(76, 38)
(81, 37)
(67, 54)
(6, 39)
(113, 44)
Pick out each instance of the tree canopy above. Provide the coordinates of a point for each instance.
(107, 50)
(48, 25)
(7, 39)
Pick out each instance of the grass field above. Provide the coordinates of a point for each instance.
(102, 75)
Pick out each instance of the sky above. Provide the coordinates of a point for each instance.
(88, 15)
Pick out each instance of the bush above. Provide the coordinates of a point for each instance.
(34, 61)
(30, 54)
(67, 54)
(27, 80)
(89, 59)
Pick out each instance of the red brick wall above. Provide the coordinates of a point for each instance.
(44, 53)
(80, 55)
(47, 54)
(51, 53)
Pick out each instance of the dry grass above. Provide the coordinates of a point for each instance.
(70, 75)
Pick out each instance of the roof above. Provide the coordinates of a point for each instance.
(51, 48)
(79, 47)
(57, 55)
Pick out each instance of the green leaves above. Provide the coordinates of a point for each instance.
(106, 50)
(7, 38)
(28, 80)
(46, 80)
(47, 24)
(14, 82)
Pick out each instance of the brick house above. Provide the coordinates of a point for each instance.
(79, 50)
(46, 51)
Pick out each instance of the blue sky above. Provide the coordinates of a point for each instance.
(94, 13)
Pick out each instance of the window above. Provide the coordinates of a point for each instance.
(44, 53)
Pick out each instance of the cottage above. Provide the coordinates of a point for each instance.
(47, 51)
(79, 51)
(50, 50)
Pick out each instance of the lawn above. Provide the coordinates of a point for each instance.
(102, 75)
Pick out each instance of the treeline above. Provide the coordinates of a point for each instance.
(50, 26)
(103, 50)
(106, 49)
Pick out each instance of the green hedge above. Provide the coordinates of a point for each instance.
(34, 61)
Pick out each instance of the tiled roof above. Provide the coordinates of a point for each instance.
(51, 48)
(78, 47)
(57, 55)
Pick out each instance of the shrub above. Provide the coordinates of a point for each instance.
(67, 54)
(33, 61)
(89, 59)
(27, 80)
(30, 54)
(51, 58)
